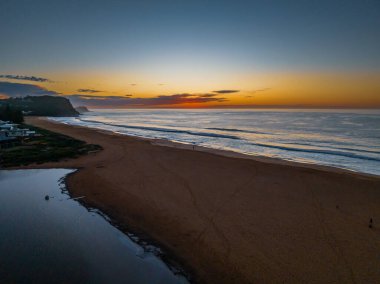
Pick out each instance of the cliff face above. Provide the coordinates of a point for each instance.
(81, 109)
(42, 105)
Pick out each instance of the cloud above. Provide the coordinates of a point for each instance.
(259, 90)
(226, 91)
(8, 89)
(27, 78)
(237, 91)
(124, 101)
(88, 91)
(95, 97)
(133, 84)
(16, 90)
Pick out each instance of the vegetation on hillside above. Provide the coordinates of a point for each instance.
(9, 113)
(49, 147)
(42, 105)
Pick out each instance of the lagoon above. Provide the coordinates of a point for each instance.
(60, 241)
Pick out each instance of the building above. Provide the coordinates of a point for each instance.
(11, 130)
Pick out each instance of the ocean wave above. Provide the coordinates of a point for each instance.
(318, 151)
(236, 130)
(335, 151)
(168, 130)
(333, 147)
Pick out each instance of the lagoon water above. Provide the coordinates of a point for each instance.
(348, 139)
(60, 241)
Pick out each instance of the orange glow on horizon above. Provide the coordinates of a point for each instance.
(253, 90)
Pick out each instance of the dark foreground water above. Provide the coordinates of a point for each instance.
(60, 241)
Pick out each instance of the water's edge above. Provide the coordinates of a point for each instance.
(148, 244)
(311, 152)
(164, 142)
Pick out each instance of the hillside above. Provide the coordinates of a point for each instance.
(42, 105)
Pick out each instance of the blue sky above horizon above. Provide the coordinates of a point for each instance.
(186, 46)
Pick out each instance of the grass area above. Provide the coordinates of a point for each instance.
(50, 147)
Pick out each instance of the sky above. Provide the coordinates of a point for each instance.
(190, 54)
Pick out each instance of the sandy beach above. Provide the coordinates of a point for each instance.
(229, 218)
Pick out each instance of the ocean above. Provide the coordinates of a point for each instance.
(348, 139)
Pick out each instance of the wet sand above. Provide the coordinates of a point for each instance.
(229, 218)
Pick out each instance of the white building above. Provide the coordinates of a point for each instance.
(11, 130)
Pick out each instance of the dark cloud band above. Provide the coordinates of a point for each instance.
(26, 78)
(112, 101)
(226, 91)
(8, 89)
(88, 91)
(17, 89)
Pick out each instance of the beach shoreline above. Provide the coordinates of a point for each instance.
(229, 217)
(228, 153)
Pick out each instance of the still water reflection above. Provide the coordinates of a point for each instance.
(60, 241)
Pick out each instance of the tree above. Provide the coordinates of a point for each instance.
(10, 113)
